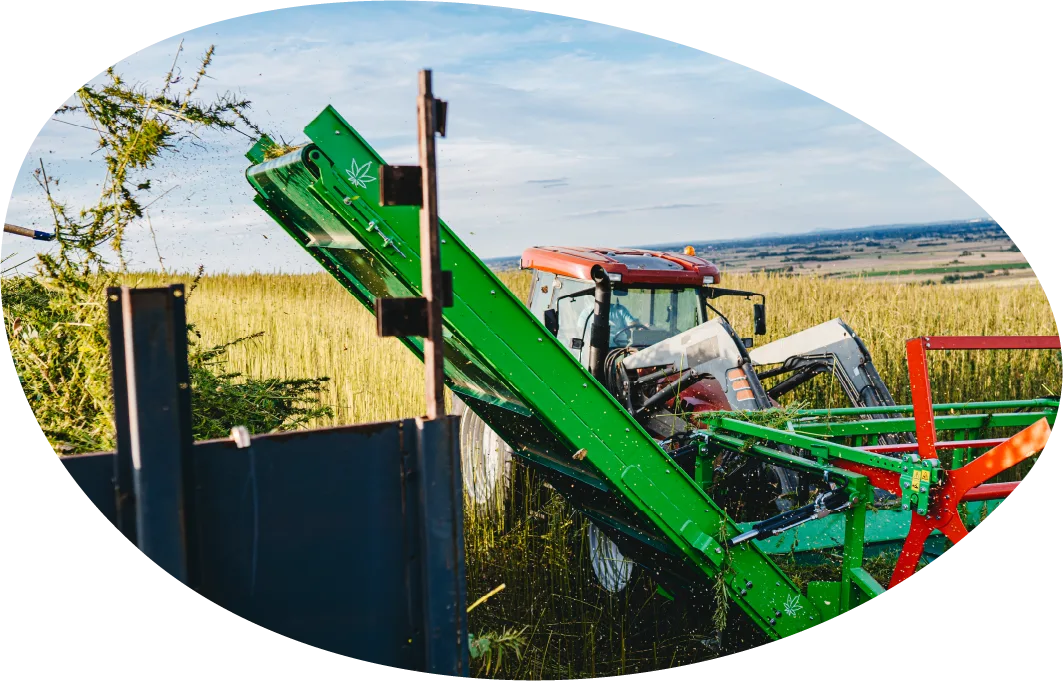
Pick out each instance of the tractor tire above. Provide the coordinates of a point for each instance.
(611, 569)
(486, 462)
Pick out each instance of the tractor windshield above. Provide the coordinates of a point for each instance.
(641, 316)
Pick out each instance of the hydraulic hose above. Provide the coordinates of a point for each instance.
(616, 378)
(825, 504)
(670, 390)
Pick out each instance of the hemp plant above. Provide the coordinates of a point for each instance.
(56, 318)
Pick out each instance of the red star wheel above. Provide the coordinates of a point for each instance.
(961, 484)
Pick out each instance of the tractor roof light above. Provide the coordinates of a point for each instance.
(709, 280)
(615, 276)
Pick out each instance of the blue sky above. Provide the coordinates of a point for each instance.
(559, 132)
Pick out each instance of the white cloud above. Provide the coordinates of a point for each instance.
(654, 141)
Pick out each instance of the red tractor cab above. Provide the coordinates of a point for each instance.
(652, 295)
(644, 297)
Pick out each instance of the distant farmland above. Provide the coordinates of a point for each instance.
(972, 253)
(951, 270)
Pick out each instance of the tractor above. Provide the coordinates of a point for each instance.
(644, 324)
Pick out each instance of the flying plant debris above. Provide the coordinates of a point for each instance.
(277, 150)
(683, 460)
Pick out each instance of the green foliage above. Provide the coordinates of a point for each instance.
(777, 418)
(135, 127)
(278, 150)
(826, 566)
(491, 649)
(57, 326)
(575, 627)
(57, 318)
(719, 585)
(222, 399)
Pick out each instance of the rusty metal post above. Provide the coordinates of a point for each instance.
(431, 273)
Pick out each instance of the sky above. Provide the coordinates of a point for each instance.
(559, 132)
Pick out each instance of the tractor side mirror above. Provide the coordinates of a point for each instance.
(760, 320)
(551, 322)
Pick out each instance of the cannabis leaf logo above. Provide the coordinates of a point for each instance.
(792, 606)
(359, 175)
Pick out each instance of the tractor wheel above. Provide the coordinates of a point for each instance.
(786, 486)
(486, 461)
(755, 491)
(612, 570)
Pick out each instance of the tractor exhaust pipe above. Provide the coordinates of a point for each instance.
(603, 294)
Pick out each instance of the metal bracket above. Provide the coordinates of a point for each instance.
(400, 186)
(409, 316)
(440, 117)
(401, 317)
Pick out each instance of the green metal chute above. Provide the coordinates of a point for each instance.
(520, 379)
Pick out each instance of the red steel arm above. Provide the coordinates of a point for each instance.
(922, 406)
(991, 342)
(948, 444)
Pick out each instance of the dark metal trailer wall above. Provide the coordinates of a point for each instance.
(348, 539)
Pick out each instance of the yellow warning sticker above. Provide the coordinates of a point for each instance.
(925, 475)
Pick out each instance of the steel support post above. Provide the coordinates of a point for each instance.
(443, 548)
(124, 497)
(160, 433)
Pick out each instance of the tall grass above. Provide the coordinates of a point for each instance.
(538, 548)
(313, 326)
(309, 322)
(886, 315)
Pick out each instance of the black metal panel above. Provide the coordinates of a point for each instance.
(441, 117)
(347, 539)
(448, 288)
(400, 185)
(93, 474)
(309, 535)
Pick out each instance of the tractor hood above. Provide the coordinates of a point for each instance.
(831, 336)
(711, 349)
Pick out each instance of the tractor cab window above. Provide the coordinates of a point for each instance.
(637, 317)
(542, 292)
(573, 312)
(643, 316)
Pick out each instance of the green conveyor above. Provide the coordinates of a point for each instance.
(513, 373)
